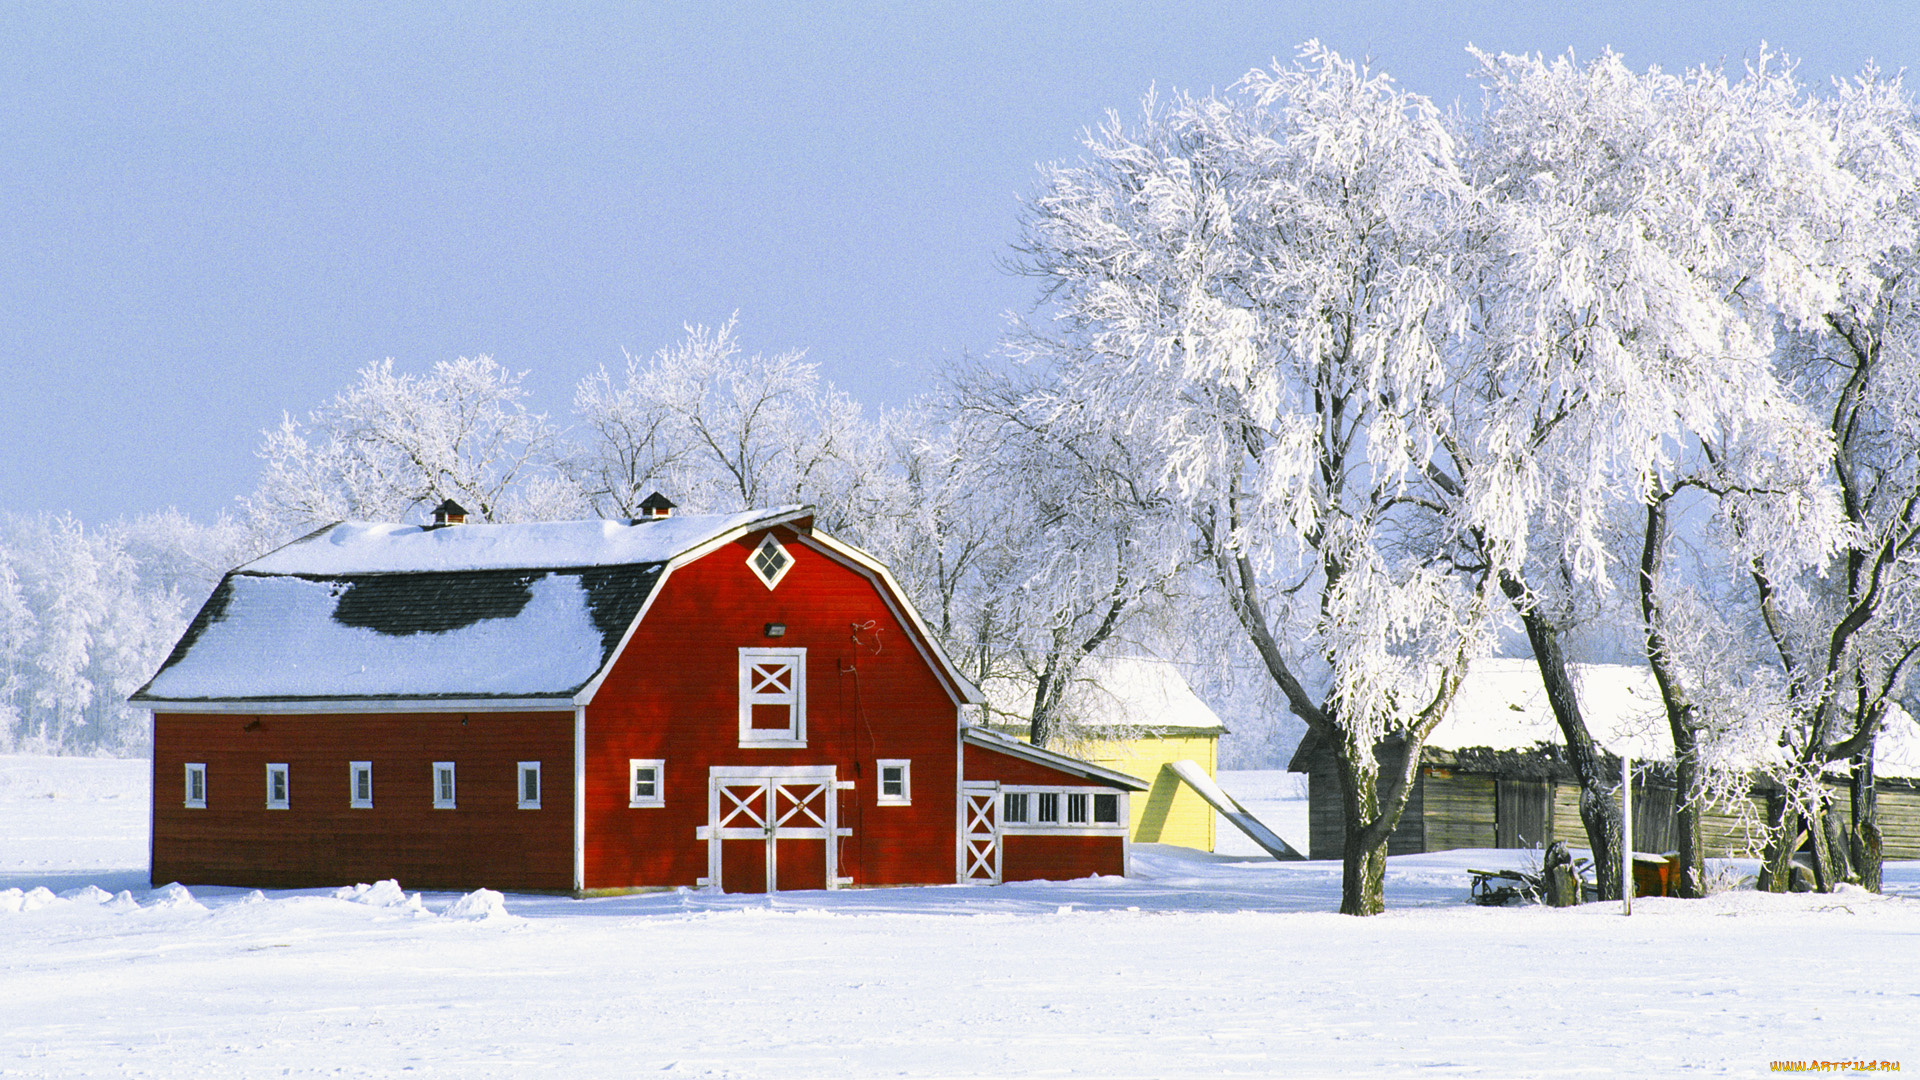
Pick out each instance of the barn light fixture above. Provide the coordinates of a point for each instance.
(251, 725)
(776, 629)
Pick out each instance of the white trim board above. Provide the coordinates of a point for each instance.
(579, 798)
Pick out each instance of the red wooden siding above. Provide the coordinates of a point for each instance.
(1059, 858)
(319, 840)
(674, 695)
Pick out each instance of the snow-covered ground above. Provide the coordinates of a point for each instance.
(1196, 966)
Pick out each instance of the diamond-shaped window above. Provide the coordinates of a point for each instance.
(770, 561)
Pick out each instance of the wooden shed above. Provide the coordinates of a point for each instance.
(1495, 773)
(1135, 715)
(735, 701)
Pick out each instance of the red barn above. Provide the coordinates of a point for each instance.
(727, 700)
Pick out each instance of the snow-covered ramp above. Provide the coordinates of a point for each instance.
(1196, 778)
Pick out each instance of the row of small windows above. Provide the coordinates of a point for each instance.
(1044, 808)
(279, 786)
(646, 784)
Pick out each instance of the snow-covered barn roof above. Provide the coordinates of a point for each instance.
(1129, 695)
(368, 611)
(365, 547)
(1501, 708)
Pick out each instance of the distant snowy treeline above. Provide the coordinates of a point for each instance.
(86, 615)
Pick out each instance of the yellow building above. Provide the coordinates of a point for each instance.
(1135, 715)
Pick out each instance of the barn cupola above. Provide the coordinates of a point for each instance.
(449, 513)
(655, 506)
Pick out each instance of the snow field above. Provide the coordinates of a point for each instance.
(1197, 966)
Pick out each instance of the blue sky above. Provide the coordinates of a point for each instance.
(213, 213)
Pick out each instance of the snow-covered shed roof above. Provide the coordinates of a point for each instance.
(368, 611)
(1129, 695)
(1501, 708)
(1502, 705)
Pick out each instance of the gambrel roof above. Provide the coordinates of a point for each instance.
(363, 611)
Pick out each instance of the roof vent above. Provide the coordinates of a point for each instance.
(449, 513)
(655, 506)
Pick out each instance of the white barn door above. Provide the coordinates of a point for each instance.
(772, 828)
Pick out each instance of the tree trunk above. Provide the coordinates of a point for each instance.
(1363, 848)
(1686, 819)
(1863, 839)
(1809, 823)
(1833, 865)
(1776, 873)
(1599, 813)
(1363, 876)
(1678, 707)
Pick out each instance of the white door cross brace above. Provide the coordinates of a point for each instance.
(980, 841)
(770, 805)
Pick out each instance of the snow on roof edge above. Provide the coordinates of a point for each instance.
(365, 547)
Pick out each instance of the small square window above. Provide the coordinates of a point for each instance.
(1049, 808)
(1076, 809)
(443, 789)
(277, 787)
(1106, 809)
(360, 784)
(896, 782)
(770, 561)
(197, 785)
(646, 782)
(529, 785)
(1013, 810)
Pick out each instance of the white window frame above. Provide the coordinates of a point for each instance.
(195, 770)
(659, 796)
(525, 769)
(355, 770)
(285, 801)
(768, 543)
(447, 799)
(795, 698)
(1063, 825)
(905, 798)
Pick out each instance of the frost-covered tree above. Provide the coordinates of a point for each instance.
(1086, 535)
(391, 445)
(1845, 640)
(718, 430)
(1256, 291)
(17, 629)
(82, 624)
(1640, 237)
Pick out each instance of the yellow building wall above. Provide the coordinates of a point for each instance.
(1170, 813)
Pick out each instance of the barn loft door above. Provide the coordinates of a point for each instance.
(980, 840)
(773, 829)
(1521, 810)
